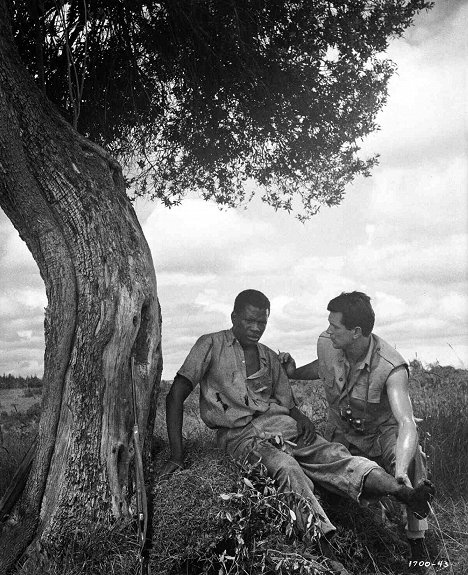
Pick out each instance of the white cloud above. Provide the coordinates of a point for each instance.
(25, 334)
(442, 262)
(22, 301)
(423, 117)
(210, 300)
(454, 306)
(422, 202)
(389, 307)
(211, 236)
(14, 252)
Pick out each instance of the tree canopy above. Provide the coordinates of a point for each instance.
(208, 94)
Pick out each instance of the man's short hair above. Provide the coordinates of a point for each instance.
(356, 311)
(251, 297)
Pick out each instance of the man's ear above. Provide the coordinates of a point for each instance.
(233, 316)
(357, 332)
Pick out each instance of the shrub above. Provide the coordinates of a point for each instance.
(260, 529)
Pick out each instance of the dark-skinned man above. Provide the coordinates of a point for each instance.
(369, 408)
(245, 394)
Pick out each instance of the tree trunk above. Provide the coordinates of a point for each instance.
(66, 197)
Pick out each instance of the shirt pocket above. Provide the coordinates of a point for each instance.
(364, 392)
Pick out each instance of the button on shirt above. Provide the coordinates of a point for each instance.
(228, 397)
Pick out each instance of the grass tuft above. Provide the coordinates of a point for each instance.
(440, 397)
(87, 549)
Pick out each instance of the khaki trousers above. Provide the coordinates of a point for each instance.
(297, 469)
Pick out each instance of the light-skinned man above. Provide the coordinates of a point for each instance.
(369, 408)
(246, 396)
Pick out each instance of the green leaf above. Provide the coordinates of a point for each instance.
(248, 483)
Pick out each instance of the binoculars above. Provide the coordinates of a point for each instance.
(357, 423)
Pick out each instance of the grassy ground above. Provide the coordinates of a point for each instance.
(18, 400)
(19, 417)
(214, 517)
(363, 543)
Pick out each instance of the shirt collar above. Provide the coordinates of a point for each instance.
(231, 340)
(366, 361)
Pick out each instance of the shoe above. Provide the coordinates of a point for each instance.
(420, 499)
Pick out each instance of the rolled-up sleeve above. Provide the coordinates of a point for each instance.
(198, 360)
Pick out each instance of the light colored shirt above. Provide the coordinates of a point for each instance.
(362, 389)
(228, 397)
(349, 381)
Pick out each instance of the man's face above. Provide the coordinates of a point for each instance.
(249, 324)
(340, 336)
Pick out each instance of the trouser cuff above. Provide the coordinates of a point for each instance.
(415, 534)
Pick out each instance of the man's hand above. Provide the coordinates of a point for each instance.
(169, 467)
(288, 363)
(305, 427)
(306, 430)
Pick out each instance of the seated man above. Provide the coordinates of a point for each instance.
(366, 386)
(245, 395)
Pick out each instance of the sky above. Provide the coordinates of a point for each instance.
(401, 236)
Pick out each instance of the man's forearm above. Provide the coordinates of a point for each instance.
(308, 371)
(174, 421)
(406, 445)
(296, 413)
(300, 417)
(178, 393)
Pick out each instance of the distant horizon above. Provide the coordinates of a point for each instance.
(425, 366)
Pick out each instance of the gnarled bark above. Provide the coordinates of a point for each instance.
(66, 197)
